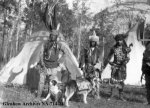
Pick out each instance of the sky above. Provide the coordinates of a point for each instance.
(96, 5)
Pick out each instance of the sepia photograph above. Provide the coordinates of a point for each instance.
(74, 53)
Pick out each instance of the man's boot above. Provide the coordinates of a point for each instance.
(121, 95)
(111, 94)
(98, 91)
(148, 96)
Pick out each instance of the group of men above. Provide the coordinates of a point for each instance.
(89, 60)
(50, 58)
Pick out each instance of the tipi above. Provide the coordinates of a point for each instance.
(134, 65)
(16, 69)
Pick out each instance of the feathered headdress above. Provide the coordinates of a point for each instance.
(94, 37)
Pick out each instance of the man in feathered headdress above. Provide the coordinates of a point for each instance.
(58, 61)
(49, 59)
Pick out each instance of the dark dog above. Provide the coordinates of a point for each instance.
(80, 87)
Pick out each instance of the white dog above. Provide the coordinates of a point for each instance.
(53, 90)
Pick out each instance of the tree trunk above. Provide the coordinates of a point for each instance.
(6, 47)
(11, 38)
(4, 33)
(79, 39)
(73, 42)
(18, 26)
(31, 28)
(79, 43)
(26, 33)
(17, 37)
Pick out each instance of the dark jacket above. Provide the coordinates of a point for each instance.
(87, 59)
(125, 50)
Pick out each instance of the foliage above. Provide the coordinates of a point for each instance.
(66, 18)
(33, 14)
(83, 23)
(103, 25)
(9, 10)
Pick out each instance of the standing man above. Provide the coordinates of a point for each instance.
(118, 66)
(89, 62)
(49, 60)
(146, 71)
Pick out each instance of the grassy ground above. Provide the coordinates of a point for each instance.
(135, 98)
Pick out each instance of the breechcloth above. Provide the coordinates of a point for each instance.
(118, 73)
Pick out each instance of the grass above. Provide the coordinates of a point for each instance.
(135, 98)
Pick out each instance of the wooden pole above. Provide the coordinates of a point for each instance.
(79, 41)
(103, 53)
(144, 32)
(73, 42)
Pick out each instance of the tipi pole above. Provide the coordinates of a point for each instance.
(103, 53)
(144, 32)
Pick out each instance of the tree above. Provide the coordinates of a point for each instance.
(38, 15)
(6, 7)
(66, 18)
(83, 18)
(103, 25)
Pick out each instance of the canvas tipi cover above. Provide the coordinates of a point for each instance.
(16, 69)
(134, 65)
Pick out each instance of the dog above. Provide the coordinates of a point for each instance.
(54, 91)
(81, 86)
